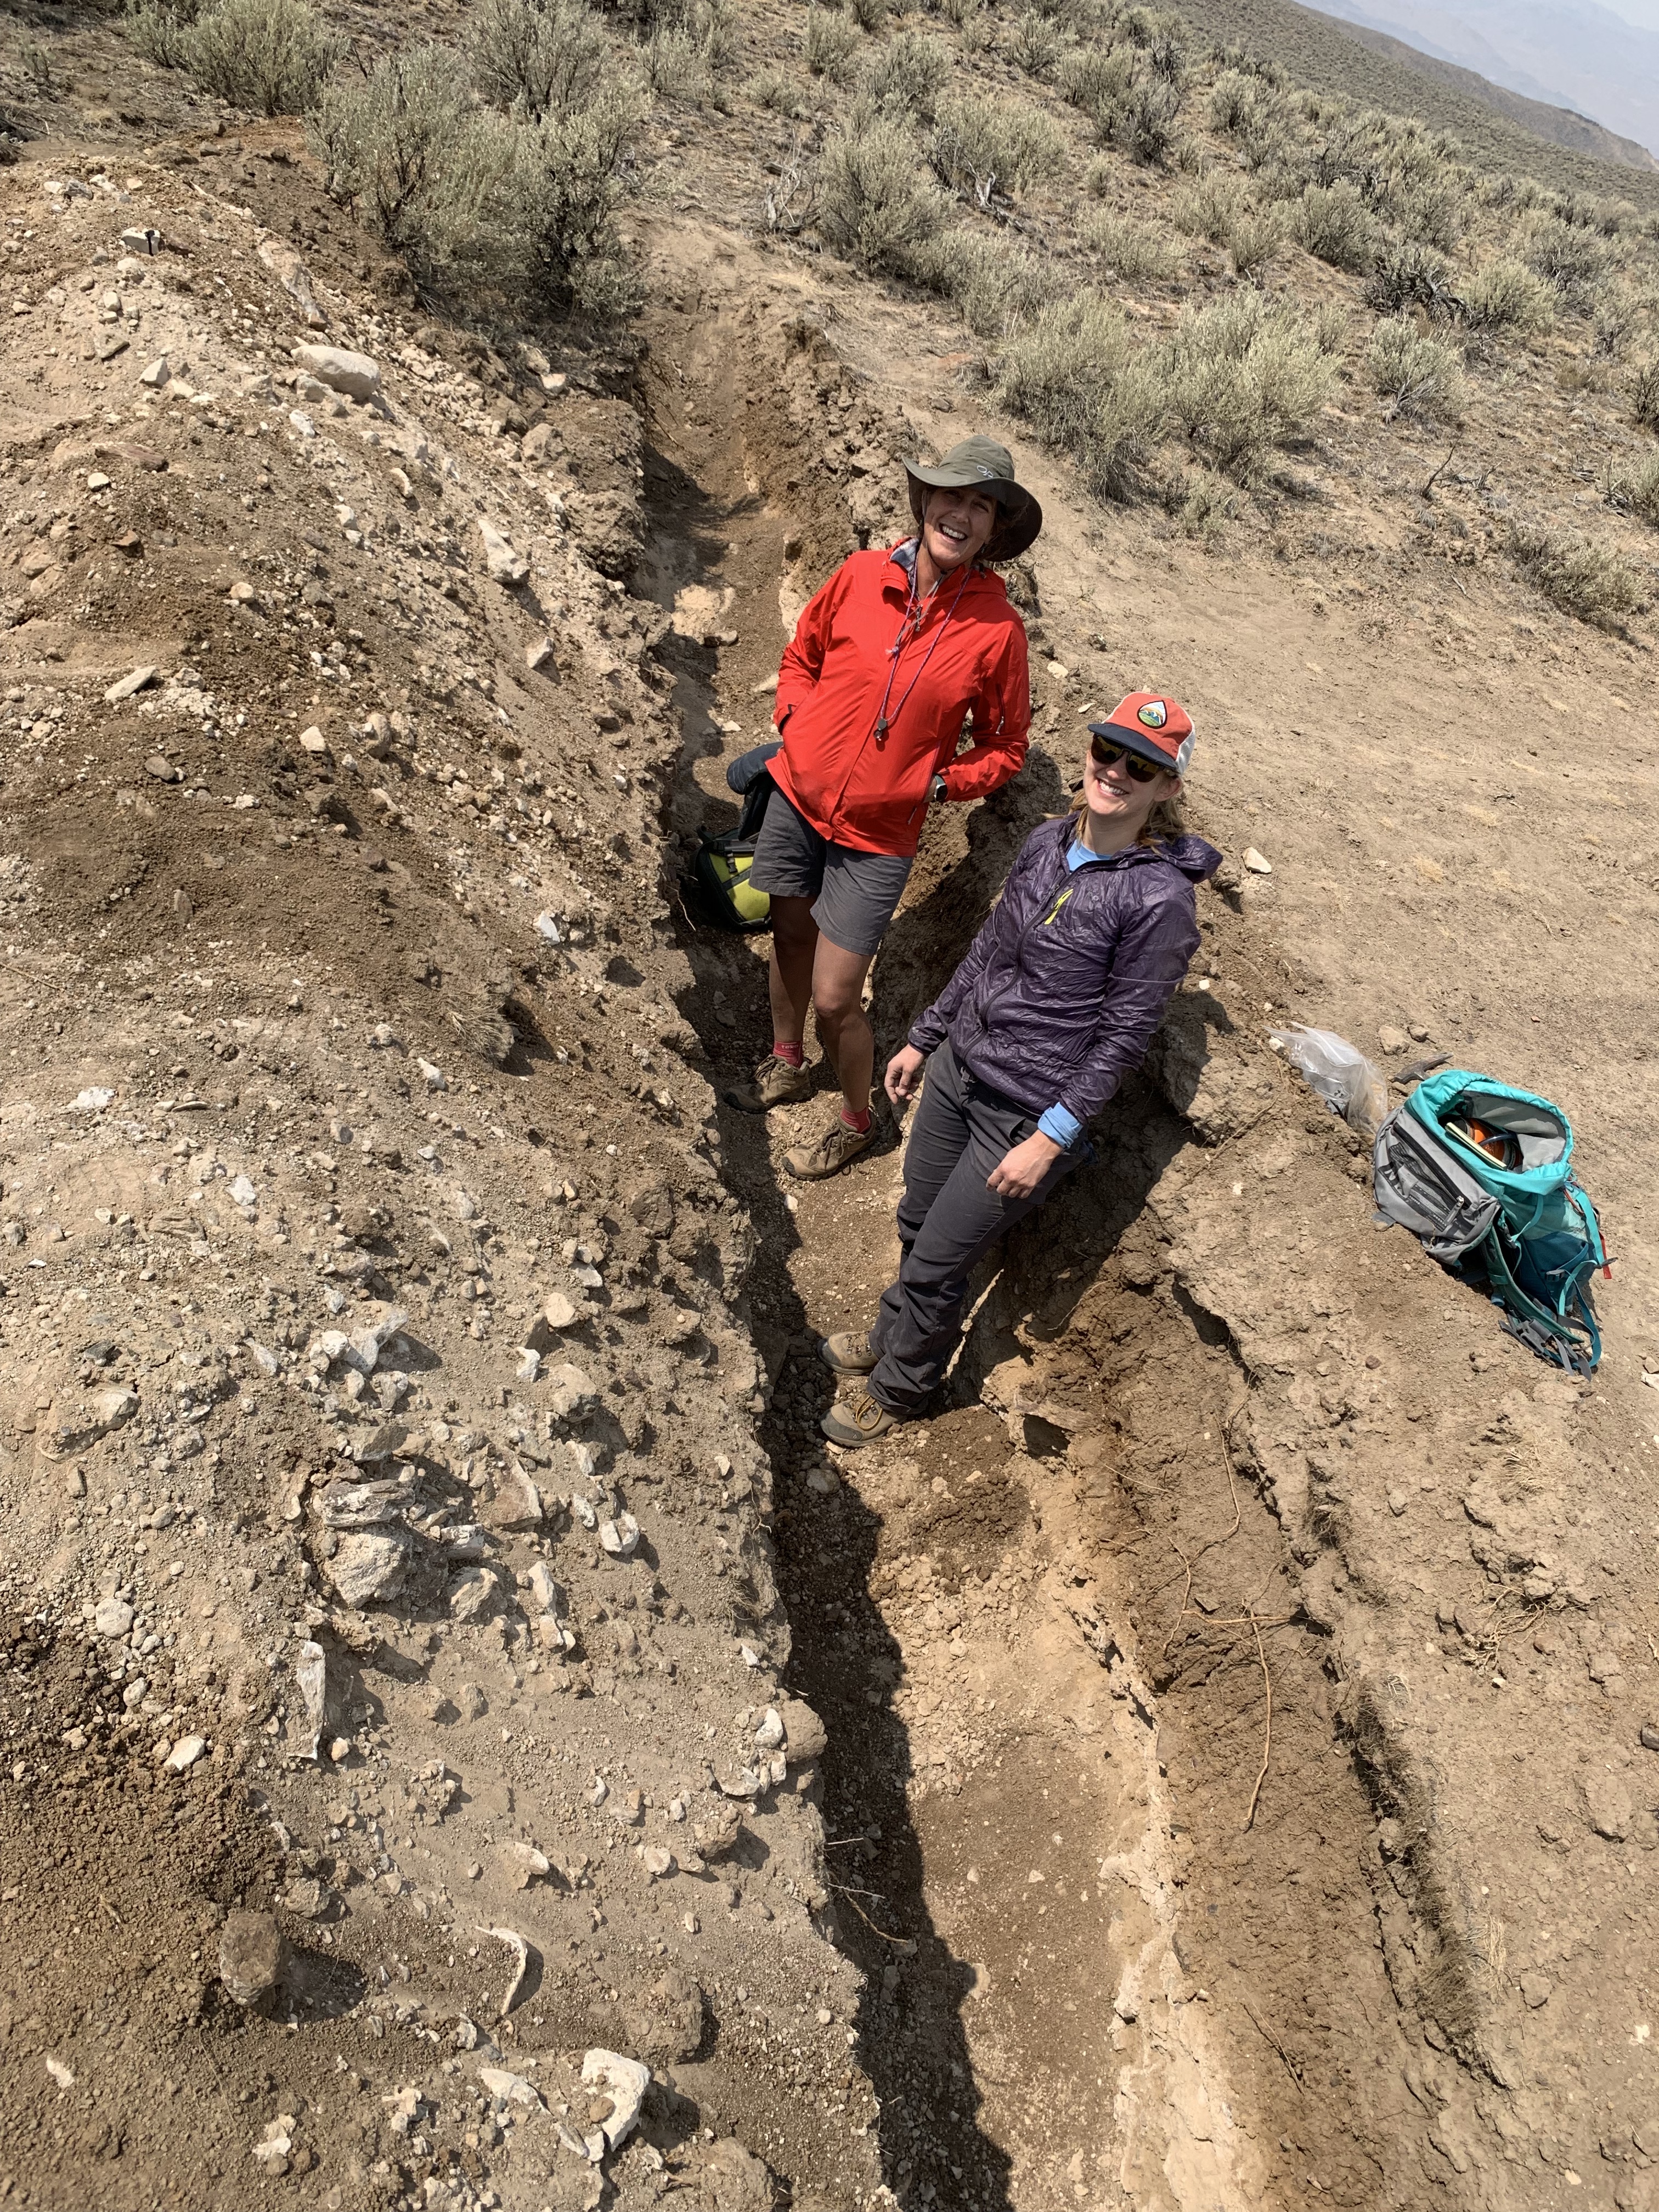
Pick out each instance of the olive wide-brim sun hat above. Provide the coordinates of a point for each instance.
(981, 464)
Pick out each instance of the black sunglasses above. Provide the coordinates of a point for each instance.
(1105, 754)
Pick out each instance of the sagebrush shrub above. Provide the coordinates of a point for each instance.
(1574, 261)
(1334, 224)
(1035, 42)
(1637, 490)
(1505, 295)
(1254, 239)
(1617, 318)
(831, 42)
(877, 203)
(533, 57)
(1243, 375)
(160, 29)
(998, 286)
(1133, 252)
(1645, 396)
(906, 75)
(1208, 207)
(1418, 374)
(271, 56)
(979, 143)
(1579, 575)
(1075, 377)
(1410, 275)
(478, 204)
(868, 14)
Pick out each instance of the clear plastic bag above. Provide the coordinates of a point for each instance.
(1339, 1072)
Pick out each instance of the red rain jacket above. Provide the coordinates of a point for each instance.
(856, 787)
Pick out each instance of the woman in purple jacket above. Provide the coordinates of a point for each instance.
(1055, 1005)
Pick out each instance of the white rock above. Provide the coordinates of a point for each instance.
(749, 1656)
(529, 1366)
(135, 1692)
(545, 1589)
(1257, 863)
(505, 564)
(157, 373)
(355, 374)
(547, 927)
(770, 1734)
(90, 1100)
(313, 742)
(511, 2088)
(582, 1510)
(520, 1950)
(303, 422)
(620, 1537)
(526, 1863)
(658, 1862)
(625, 2081)
(242, 1192)
(571, 1391)
(311, 1677)
(113, 1617)
(273, 2146)
(126, 686)
(367, 1567)
(59, 2073)
(185, 1753)
(473, 1593)
(432, 1077)
(263, 1357)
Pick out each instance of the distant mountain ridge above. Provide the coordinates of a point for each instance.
(1560, 127)
(1329, 55)
(1573, 54)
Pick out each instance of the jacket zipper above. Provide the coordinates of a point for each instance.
(1019, 943)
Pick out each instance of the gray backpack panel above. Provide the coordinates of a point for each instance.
(1420, 1184)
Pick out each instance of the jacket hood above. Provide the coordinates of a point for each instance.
(1195, 857)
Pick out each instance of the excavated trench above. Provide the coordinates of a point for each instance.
(1115, 1910)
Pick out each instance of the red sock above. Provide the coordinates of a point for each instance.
(858, 1122)
(792, 1055)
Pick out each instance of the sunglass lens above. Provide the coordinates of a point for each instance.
(1108, 755)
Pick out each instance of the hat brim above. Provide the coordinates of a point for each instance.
(1022, 517)
(1133, 741)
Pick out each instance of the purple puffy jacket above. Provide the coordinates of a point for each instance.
(1066, 983)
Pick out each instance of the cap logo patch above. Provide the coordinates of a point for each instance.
(1154, 714)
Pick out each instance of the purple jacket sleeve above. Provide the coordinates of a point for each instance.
(1151, 958)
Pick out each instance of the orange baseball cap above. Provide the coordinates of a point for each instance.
(1153, 728)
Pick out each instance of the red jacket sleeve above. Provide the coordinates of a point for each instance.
(803, 657)
(1002, 723)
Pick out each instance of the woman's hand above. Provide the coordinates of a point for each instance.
(1017, 1173)
(903, 1072)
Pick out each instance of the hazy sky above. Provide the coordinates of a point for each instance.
(1644, 14)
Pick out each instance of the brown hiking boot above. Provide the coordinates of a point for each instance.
(858, 1420)
(839, 1144)
(848, 1352)
(775, 1083)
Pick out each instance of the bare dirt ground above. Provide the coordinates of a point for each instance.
(336, 1076)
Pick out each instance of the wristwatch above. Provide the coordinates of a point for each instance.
(939, 788)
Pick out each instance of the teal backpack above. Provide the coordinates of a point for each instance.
(1482, 1174)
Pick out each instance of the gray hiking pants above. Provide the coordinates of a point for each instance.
(947, 1221)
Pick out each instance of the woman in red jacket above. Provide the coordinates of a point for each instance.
(889, 659)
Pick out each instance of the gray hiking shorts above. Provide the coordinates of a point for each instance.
(853, 894)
